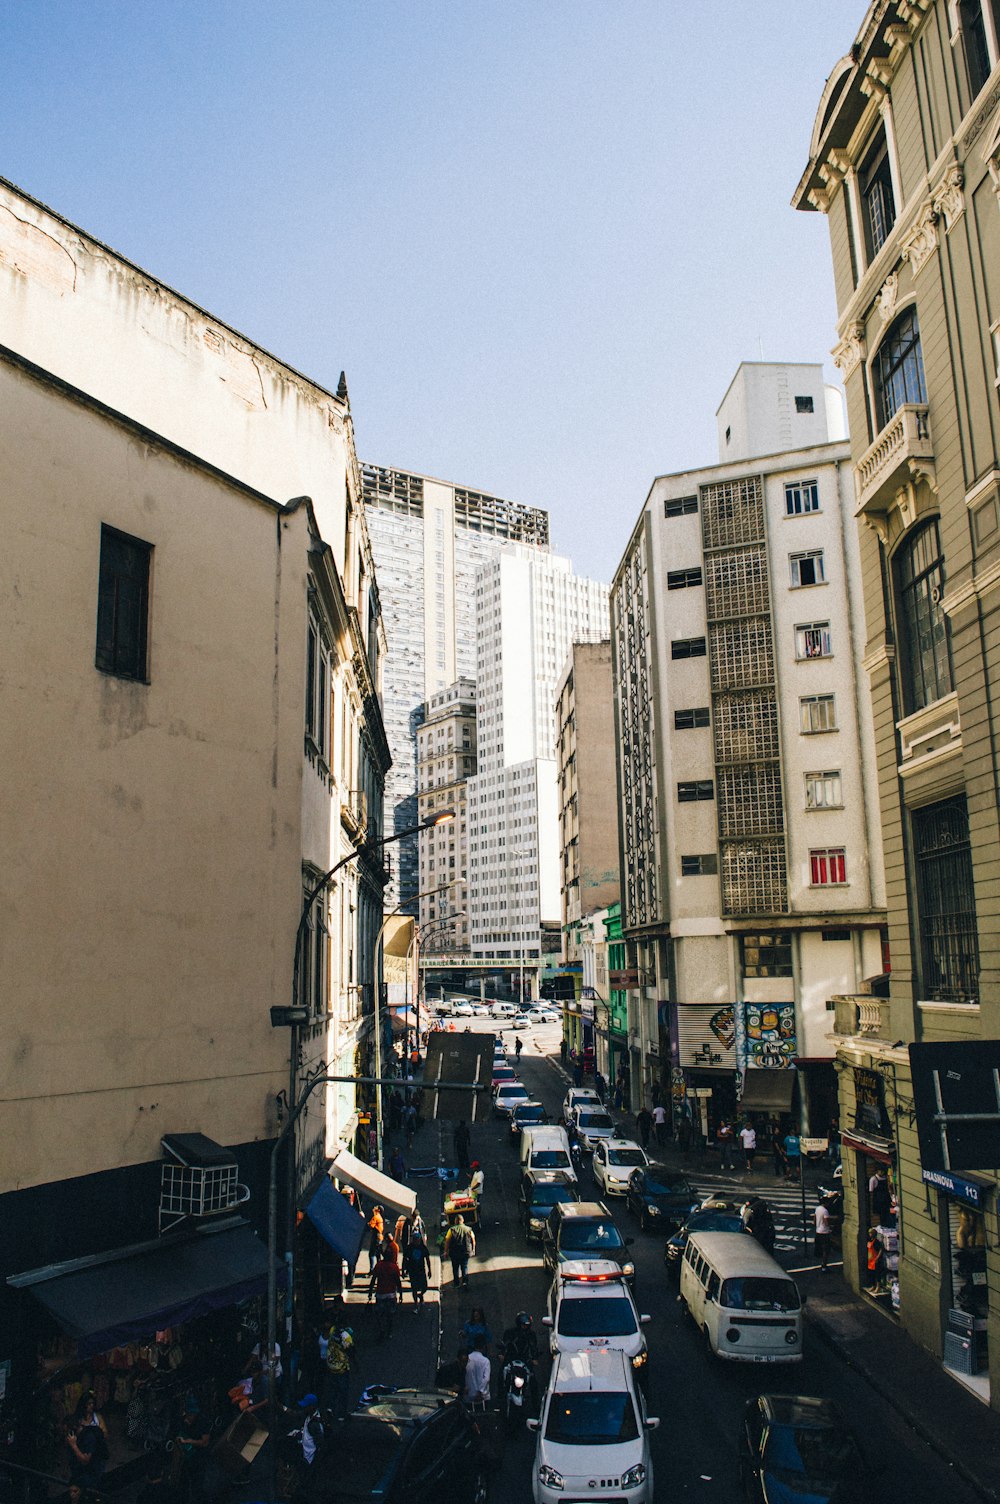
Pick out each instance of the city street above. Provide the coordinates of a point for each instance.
(699, 1401)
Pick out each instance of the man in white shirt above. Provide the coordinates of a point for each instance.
(660, 1121)
(477, 1376)
(822, 1216)
(748, 1138)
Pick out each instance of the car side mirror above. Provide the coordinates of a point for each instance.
(532, 1424)
(652, 1421)
(546, 1321)
(645, 1320)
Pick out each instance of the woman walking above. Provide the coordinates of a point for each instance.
(417, 1263)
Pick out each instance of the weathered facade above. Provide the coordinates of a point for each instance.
(446, 760)
(905, 163)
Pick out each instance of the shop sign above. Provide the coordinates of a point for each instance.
(957, 1185)
(814, 1145)
(770, 1035)
(869, 1112)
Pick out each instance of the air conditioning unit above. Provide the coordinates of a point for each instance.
(198, 1178)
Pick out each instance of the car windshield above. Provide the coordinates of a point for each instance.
(606, 1317)
(715, 1222)
(595, 1120)
(550, 1159)
(626, 1157)
(587, 1235)
(659, 1183)
(503, 1073)
(551, 1195)
(530, 1114)
(511, 1092)
(591, 1420)
(819, 1454)
(759, 1293)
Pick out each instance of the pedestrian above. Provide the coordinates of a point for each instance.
(644, 1125)
(385, 1289)
(193, 1438)
(518, 1047)
(562, 1051)
(395, 1111)
(660, 1123)
(618, 1096)
(461, 1139)
(340, 1359)
(477, 1377)
(477, 1181)
(822, 1216)
(460, 1246)
(655, 1093)
(476, 1328)
(726, 1140)
(417, 1264)
(309, 1431)
(793, 1153)
(577, 1073)
(376, 1232)
(452, 1375)
(87, 1439)
(397, 1166)
(757, 1219)
(748, 1138)
(401, 1235)
(601, 1085)
(778, 1156)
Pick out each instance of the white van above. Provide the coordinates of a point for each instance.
(748, 1308)
(546, 1148)
(503, 1010)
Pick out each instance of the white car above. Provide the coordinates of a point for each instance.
(521, 1021)
(592, 1123)
(590, 1306)
(508, 1095)
(593, 1433)
(549, 1015)
(574, 1097)
(614, 1161)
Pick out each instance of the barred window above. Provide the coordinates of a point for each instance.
(753, 877)
(699, 866)
(925, 659)
(750, 800)
(807, 568)
(742, 653)
(688, 647)
(827, 867)
(801, 497)
(736, 583)
(732, 513)
(946, 902)
(683, 579)
(818, 713)
(689, 720)
(746, 726)
(695, 790)
(681, 506)
(766, 955)
(823, 790)
(812, 640)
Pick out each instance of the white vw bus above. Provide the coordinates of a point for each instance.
(748, 1308)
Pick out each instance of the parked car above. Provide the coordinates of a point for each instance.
(614, 1162)
(590, 1305)
(800, 1450)
(521, 1021)
(592, 1124)
(508, 1095)
(714, 1215)
(593, 1426)
(540, 1191)
(504, 1011)
(411, 1447)
(585, 1231)
(528, 1115)
(662, 1199)
(502, 1072)
(574, 1097)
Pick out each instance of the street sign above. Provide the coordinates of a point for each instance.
(814, 1145)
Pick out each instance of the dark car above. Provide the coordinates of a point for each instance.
(798, 1450)
(711, 1216)
(526, 1115)
(585, 1230)
(416, 1446)
(541, 1190)
(662, 1199)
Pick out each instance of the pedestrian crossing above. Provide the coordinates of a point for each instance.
(784, 1197)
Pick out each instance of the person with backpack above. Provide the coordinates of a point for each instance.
(518, 1047)
(460, 1246)
(340, 1359)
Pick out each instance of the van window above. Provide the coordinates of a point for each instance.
(713, 1285)
(760, 1293)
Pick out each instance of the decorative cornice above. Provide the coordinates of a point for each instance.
(919, 242)
(879, 659)
(888, 294)
(851, 350)
(948, 199)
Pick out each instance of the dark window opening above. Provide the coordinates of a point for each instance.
(877, 203)
(804, 405)
(687, 647)
(689, 720)
(695, 790)
(976, 47)
(946, 902)
(682, 579)
(123, 605)
(924, 638)
(898, 369)
(700, 866)
(767, 955)
(682, 506)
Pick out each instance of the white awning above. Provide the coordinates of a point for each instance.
(381, 1188)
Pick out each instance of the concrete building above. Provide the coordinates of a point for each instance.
(904, 161)
(772, 406)
(193, 636)
(429, 537)
(530, 609)
(446, 760)
(751, 862)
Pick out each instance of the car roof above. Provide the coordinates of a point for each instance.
(736, 1253)
(581, 1209)
(626, 1143)
(800, 1410)
(582, 1091)
(596, 1368)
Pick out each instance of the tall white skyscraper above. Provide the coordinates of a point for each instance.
(530, 609)
(428, 538)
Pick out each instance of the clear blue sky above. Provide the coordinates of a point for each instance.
(539, 237)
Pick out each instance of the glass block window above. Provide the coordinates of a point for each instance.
(749, 800)
(742, 653)
(823, 790)
(736, 583)
(732, 513)
(683, 579)
(699, 866)
(681, 506)
(812, 640)
(807, 568)
(698, 789)
(688, 647)
(689, 720)
(753, 877)
(818, 713)
(801, 497)
(746, 726)
(766, 955)
(946, 902)
(827, 867)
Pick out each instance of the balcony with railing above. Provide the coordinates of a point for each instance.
(902, 453)
(861, 1016)
(354, 814)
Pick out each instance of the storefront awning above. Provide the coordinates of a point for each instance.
(336, 1221)
(381, 1188)
(133, 1292)
(767, 1091)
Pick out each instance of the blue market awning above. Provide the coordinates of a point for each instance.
(336, 1221)
(130, 1293)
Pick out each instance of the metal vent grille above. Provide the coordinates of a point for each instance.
(749, 801)
(733, 513)
(746, 726)
(753, 877)
(736, 583)
(741, 653)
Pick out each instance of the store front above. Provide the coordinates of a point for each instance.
(868, 1151)
(702, 1042)
(961, 1203)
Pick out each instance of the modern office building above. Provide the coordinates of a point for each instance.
(751, 859)
(904, 161)
(429, 537)
(530, 609)
(446, 760)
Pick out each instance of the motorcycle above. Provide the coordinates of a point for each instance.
(516, 1391)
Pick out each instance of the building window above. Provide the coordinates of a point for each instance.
(898, 368)
(946, 902)
(878, 208)
(801, 496)
(827, 867)
(976, 41)
(835, 935)
(807, 569)
(812, 640)
(700, 866)
(766, 955)
(924, 638)
(689, 720)
(687, 647)
(804, 405)
(681, 506)
(318, 682)
(823, 790)
(695, 790)
(683, 579)
(818, 713)
(123, 606)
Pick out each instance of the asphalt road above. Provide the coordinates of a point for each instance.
(699, 1401)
